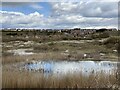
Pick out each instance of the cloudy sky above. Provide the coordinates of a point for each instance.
(56, 15)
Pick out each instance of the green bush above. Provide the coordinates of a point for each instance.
(100, 35)
(112, 42)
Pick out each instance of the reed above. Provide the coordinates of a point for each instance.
(37, 80)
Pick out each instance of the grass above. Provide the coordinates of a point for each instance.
(45, 49)
(16, 79)
(40, 56)
(112, 42)
(57, 51)
(56, 56)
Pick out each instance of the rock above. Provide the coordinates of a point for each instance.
(102, 54)
(115, 50)
(29, 63)
(32, 62)
(85, 55)
(66, 51)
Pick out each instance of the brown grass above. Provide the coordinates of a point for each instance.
(39, 56)
(53, 56)
(37, 80)
(16, 79)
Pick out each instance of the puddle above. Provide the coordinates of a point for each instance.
(65, 67)
(21, 52)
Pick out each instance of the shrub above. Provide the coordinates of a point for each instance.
(41, 48)
(113, 42)
(51, 43)
(100, 35)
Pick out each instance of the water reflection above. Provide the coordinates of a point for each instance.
(64, 67)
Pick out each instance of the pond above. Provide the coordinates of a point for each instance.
(74, 67)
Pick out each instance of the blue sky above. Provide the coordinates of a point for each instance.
(59, 15)
(27, 8)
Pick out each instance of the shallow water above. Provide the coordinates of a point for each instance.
(65, 67)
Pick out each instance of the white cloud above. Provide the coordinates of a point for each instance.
(59, 0)
(86, 9)
(17, 19)
(65, 15)
(36, 6)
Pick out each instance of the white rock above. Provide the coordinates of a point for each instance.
(85, 55)
(66, 51)
(115, 50)
(102, 54)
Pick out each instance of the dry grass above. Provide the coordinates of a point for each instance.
(54, 56)
(39, 56)
(37, 80)
(52, 51)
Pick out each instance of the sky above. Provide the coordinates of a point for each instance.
(59, 15)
